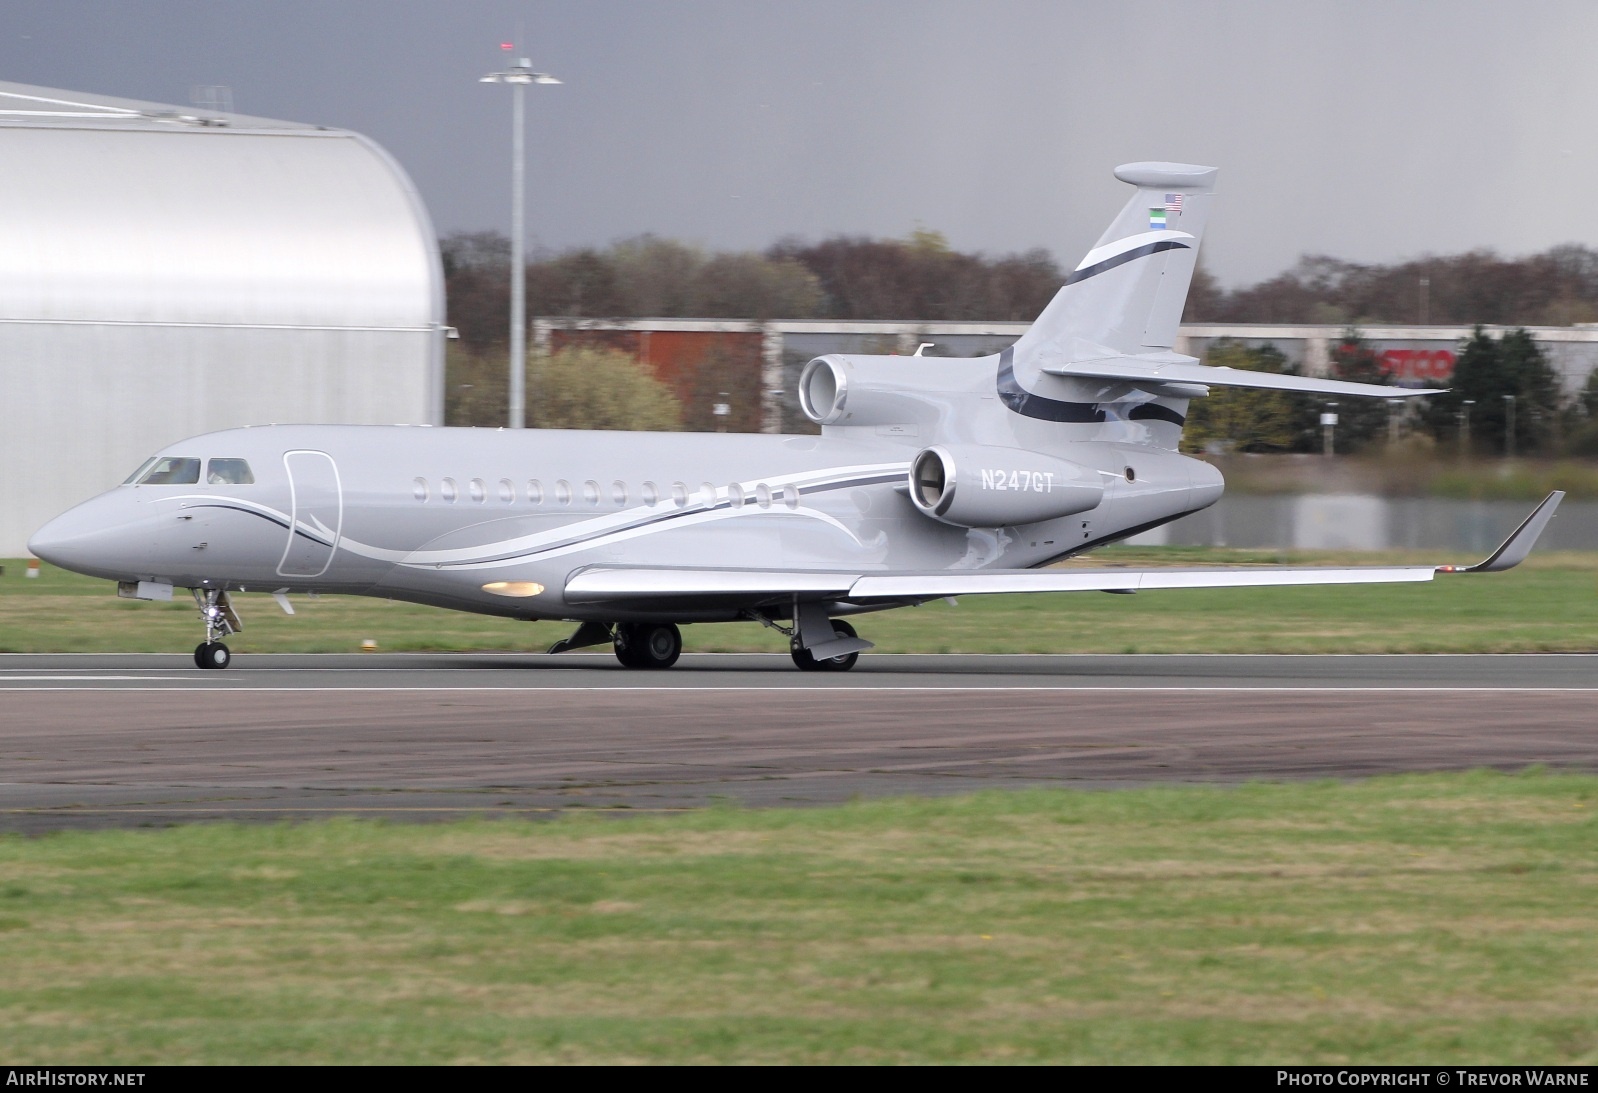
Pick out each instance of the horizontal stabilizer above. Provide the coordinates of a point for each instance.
(1164, 368)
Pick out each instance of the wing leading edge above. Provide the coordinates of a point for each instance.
(600, 584)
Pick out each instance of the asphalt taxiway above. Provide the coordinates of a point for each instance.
(128, 740)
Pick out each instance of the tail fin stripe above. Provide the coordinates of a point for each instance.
(1130, 242)
(1123, 258)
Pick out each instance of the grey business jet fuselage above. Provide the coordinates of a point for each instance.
(473, 519)
(931, 477)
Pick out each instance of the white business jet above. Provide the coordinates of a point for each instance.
(931, 478)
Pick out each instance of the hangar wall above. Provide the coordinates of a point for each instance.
(165, 273)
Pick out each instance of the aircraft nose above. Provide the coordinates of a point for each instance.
(79, 540)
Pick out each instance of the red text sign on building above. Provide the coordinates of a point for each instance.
(1418, 367)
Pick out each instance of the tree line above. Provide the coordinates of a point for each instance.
(1505, 398)
(917, 278)
(1557, 287)
(920, 277)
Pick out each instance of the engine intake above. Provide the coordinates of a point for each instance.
(983, 487)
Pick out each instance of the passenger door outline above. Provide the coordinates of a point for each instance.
(315, 492)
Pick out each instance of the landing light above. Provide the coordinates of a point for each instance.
(513, 588)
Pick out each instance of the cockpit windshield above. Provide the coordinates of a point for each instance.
(170, 470)
(138, 474)
(229, 472)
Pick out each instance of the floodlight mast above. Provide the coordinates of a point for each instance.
(518, 76)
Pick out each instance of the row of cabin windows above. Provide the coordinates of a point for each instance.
(561, 493)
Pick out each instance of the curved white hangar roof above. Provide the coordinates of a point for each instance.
(166, 271)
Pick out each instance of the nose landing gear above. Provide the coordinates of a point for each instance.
(212, 654)
(220, 620)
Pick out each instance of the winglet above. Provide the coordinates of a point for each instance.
(1519, 544)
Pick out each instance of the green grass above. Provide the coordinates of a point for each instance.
(1549, 604)
(1416, 919)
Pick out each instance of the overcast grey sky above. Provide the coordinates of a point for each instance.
(1366, 129)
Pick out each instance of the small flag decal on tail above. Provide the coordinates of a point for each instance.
(1156, 219)
(1173, 204)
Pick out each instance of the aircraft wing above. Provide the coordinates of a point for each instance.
(597, 584)
(1177, 369)
(899, 586)
(601, 584)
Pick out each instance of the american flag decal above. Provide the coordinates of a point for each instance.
(1173, 204)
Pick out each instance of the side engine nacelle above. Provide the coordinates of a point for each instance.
(983, 487)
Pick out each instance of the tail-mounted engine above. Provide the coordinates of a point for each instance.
(982, 487)
(845, 390)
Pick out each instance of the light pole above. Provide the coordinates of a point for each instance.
(1464, 427)
(1328, 423)
(518, 76)
(1509, 426)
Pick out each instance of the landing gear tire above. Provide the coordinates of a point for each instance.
(212, 654)
(648, 644)
(809, 663)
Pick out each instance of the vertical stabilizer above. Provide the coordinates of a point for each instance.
(1126, 297)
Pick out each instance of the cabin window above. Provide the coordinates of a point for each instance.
(172, 470)
(507, 490)
(563, 492)
(790, 497)
(535, 491)
(138, 474)
(735, 494)
(679, 493)
(651, 494)
(419, 488)
(229, 472)
(477, 490)
(709, 490)
(618, 492)
(591, 492)
(763, 495)
(446, 490)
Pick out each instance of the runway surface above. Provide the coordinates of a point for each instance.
(125, 740)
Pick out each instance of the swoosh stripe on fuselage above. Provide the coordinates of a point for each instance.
(582, 533)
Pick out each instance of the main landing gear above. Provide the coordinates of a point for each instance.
(647, 644)
(220, 621)
(656, 645)
(637, 644)
(809, 662)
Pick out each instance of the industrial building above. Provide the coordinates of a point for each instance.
(168, 270)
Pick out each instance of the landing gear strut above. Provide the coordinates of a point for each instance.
(808, 662)
(647, 644)
(220, 621)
